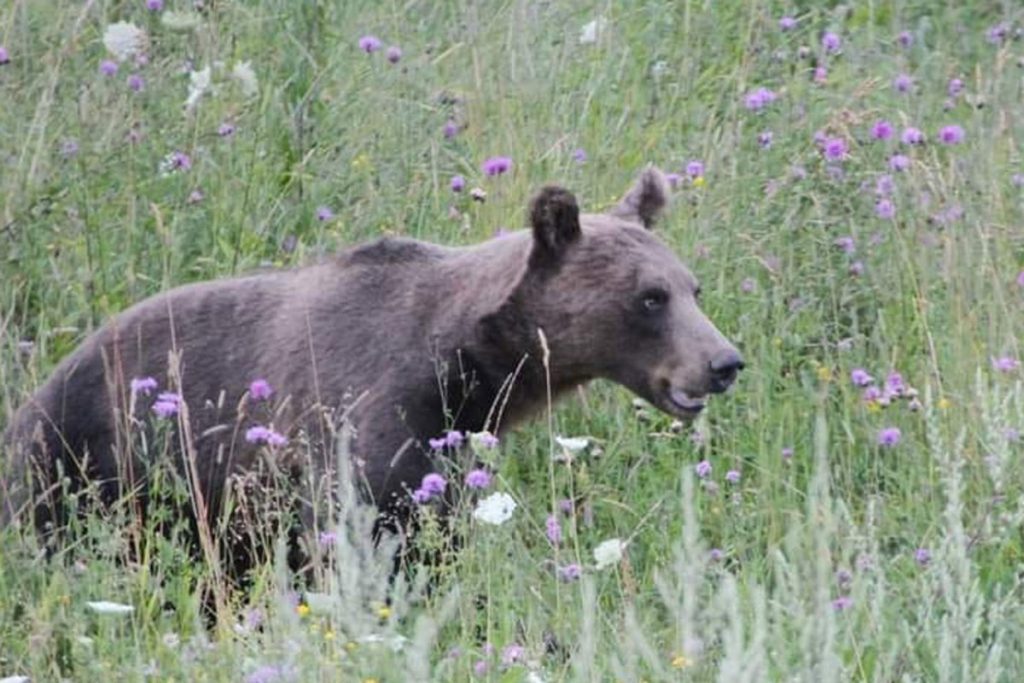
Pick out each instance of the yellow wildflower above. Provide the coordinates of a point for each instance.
(302, 610)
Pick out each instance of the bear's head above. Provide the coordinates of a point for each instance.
(614, 302)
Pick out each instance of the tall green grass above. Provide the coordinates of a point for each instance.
(720, 581)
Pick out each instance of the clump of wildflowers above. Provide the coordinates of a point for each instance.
(758, 99)
(167, 404)
(259, 434)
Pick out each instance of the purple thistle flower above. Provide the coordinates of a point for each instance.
(167, 404)
(703, 469)
(328, 538)
(458, 183)
(882, 130)
(570, 572)
(732, 476)
(394, 54)
(369, 44)
(226, 129)
(478, 479)
(871, 395)
(1005, 364)
(260, 390)
(716, 555)
(856, 268)
(269, 674)
(905, 39)
(997, 34)
(894, 384)
(902, 83)
(674, 179)
(758, 99)
(453, 439)
(860, 377)
(437, 444)
(831, 42)
(912, 136)
(5, 57)
(480, 668)
(846, 244)
(951, 135)
(419, 496)
(843, 578)
(195, 196)
(695, 168)
(764, 139)
(1017, 179)
(496, 166)
(566, 506)
(820, 75)
(787, 23)
(512, 654)
(842, 603)
(69, 148)
(884, 209)
(136, 83)
(884, 185)
(143, 385)
(899, 162)
(748, 285)
(451, 129)
(154, 5)
(835, 149)
(324, 214)
(553, 529)
(955, 87)
(179, 161)
(434, 484)
(487, 440)
(923, 557)
(579, 155)
(889, 437)
(259, 434)
(787, 453)
(108, 67)
(1020, 279)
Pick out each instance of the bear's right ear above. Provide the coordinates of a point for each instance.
(555, 218)
(646, 199)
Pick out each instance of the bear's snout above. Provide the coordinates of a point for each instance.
(724, 367)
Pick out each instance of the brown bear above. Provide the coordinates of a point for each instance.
(409, 339)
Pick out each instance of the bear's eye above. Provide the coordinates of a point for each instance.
(654, 300)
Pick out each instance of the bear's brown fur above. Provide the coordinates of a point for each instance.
(411, 338)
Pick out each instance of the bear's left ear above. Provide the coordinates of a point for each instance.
(646, 199)
(555, 218)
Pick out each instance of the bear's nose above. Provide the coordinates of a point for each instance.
(724, 368)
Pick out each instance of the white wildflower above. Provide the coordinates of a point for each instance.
(496, 508)
(396, 643)
(124, 40)
(246, 77)
(15, 679)
(198, 84)
(573, 444)
(593, 30)
(609, 552)
(107, 607)
(179, 21)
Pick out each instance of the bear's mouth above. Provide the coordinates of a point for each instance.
(684, 403)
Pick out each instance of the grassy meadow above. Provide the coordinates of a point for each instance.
(849, 190)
